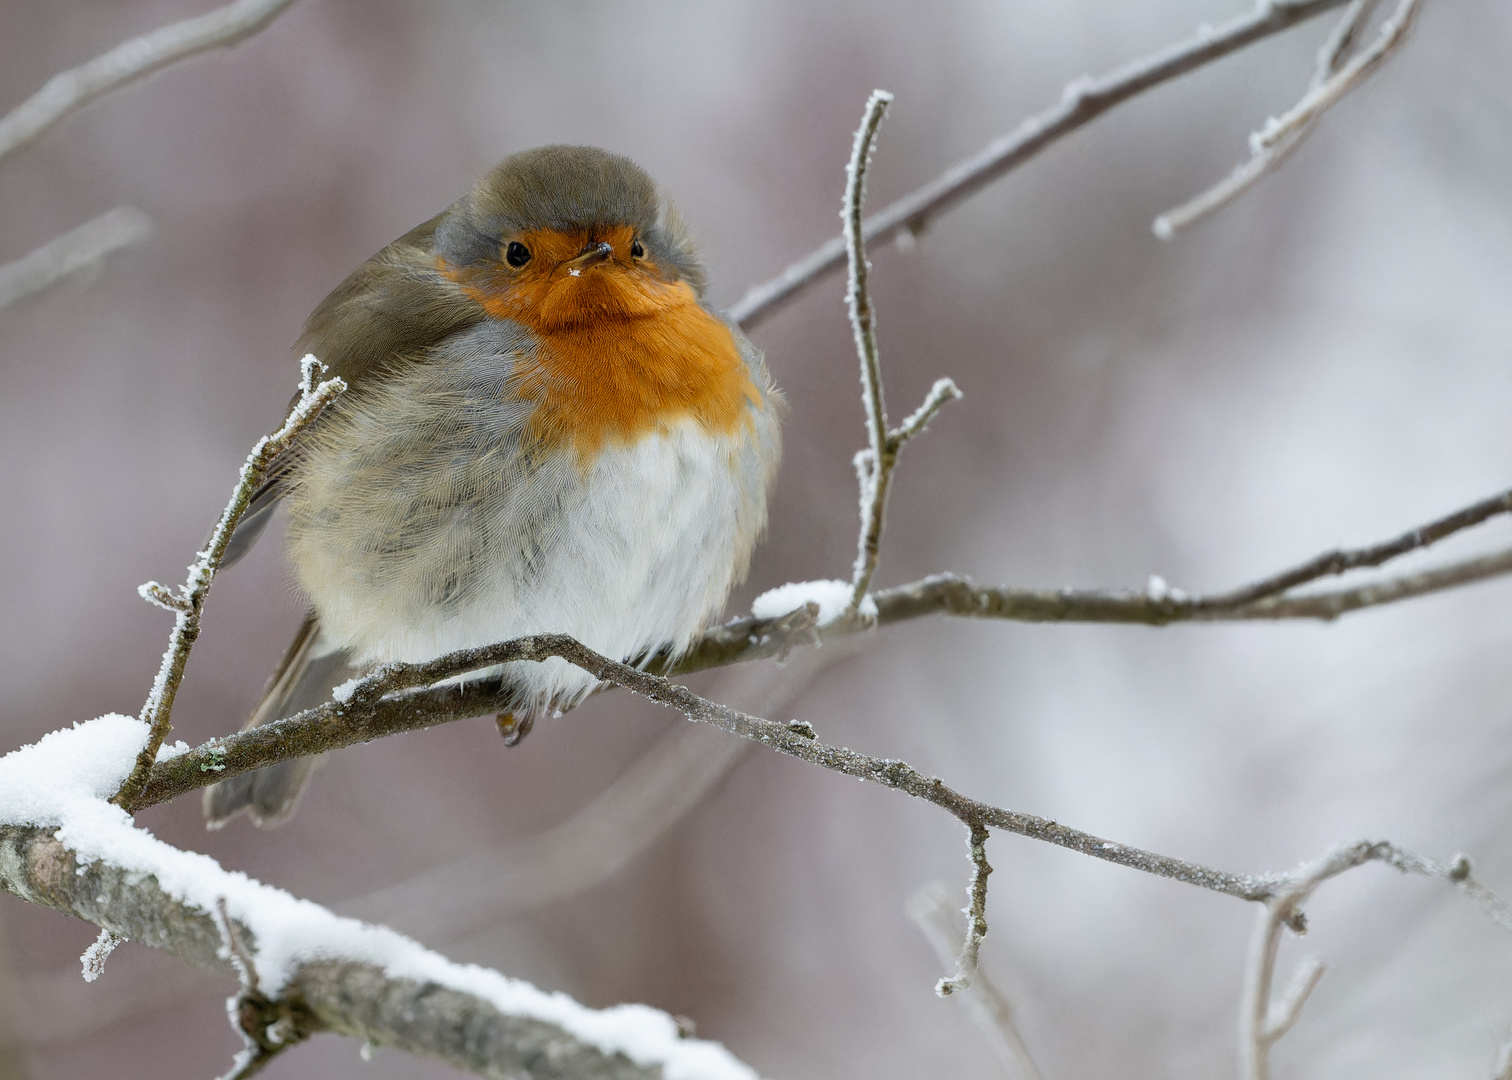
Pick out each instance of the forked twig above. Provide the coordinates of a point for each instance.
(875, 464)
(1262, 1021)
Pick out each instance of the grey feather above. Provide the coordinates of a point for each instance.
(303, 680)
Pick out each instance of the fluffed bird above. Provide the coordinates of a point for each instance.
(546, 429)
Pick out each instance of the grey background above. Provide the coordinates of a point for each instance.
(1325, 362)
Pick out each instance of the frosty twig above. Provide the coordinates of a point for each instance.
(189, 603)
(875, 464)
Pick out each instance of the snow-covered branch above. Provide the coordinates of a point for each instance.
(64, 846)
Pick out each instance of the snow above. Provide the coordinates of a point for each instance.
(343, 693)
(65, 780)
(831, 596)
(166, 752)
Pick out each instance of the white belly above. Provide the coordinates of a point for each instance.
(636, 553)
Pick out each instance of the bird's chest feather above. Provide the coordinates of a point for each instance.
(610, 489)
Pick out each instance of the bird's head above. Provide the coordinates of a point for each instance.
(564, 237)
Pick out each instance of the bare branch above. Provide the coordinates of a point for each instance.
(937, 917)
(370, 713)
(1261, 1022)
(1272, 146)
(76, 252)
(1082, 102)
(69, 91)
(189, 605)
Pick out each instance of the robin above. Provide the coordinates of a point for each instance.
(547, 429)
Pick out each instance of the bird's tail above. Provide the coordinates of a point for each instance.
(305, 678)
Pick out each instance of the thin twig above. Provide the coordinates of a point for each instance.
(1342, 40)
(873, 465)
(976, 916)
(76, 252)
(1082, 102)
(189, 604)
(1280, 137)
(69, 91)
(938, 919)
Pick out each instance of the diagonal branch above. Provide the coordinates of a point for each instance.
(75, 252)
(1272, 146)
(69, 91)
(189, 604)
(1082, 102)
(378, 706)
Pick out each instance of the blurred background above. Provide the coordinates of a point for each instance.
(1328, 361)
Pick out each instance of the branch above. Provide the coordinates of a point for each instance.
(1272, 146)
(976, 916)
(1263, 1022)
(378, 706)
(75, 252)
(302, 969)
(188, 605)
(346, 996)
(874, 465)
(69, 91)
(1082, 102)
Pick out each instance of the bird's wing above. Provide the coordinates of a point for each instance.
(395, 304)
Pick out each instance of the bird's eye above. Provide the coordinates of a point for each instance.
(516, 254)
(636, 250)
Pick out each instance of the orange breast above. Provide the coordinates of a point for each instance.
(622, 352)
(617, 380)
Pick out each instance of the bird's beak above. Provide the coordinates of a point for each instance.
(591, 255)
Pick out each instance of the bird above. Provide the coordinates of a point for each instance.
(547, 428)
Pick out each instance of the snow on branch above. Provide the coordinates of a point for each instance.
(64, 846)
(69, 91)
(1083, 101)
